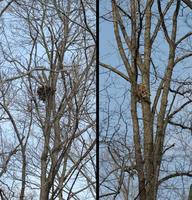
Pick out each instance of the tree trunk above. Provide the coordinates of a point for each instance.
(44, 195)
(22, 194)
(190, 193)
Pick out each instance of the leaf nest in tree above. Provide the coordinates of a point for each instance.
(44, 92)
(142, 92)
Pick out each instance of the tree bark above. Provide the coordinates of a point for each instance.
(190, 193)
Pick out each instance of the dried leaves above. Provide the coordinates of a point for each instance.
(142, 92)
(44, 92)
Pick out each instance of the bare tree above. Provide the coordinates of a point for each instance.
(145, 129)
(48, 50)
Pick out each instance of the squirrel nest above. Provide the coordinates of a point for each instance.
(44, 92)
(142, 92)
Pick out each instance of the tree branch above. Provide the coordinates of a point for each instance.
(176, 174)
(115, 71)
(188, 3)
